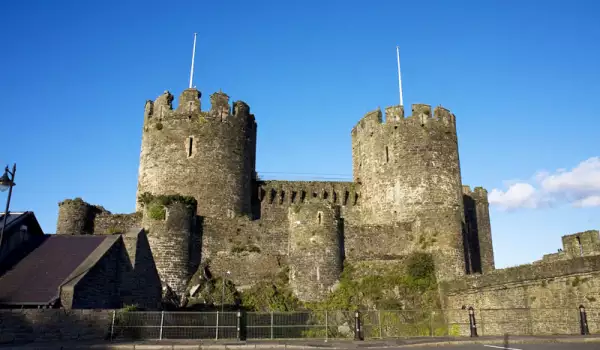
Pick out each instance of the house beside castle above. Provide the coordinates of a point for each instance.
(40, 270)
(200, 209)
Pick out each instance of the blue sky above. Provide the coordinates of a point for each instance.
(522, 78)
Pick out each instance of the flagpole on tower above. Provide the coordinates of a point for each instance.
(399, 75)
(193, 56)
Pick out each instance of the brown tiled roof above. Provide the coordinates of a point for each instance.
(37, 277)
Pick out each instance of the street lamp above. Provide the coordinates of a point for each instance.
(7, 181)
(223, 292)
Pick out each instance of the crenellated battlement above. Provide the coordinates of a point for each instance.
(300, 192)
(161, 110)
(478, 192)
(394, 115)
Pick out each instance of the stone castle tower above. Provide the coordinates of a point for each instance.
(406, 196)
(409, 171)
(208, 155)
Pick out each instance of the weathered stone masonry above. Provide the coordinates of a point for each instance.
(406, 196)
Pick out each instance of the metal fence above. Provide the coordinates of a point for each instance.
(352, 324)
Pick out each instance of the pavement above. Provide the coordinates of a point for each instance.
(481, 343)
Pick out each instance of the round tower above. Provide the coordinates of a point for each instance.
(169, 223)
(315, 252)
(409, 172)
(207, 155)
(75, 217)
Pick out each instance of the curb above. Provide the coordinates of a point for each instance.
(497, 341)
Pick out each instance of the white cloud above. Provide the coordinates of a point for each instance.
(591, 201)
(518, 195)
(579, 187)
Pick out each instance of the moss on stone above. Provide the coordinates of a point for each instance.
(274, 295)
(76, 200)
(250, 248)
(113, 230)
(165, 200)
(413, 287)
(156, 211)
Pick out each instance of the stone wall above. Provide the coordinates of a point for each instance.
(19, 326)
(250, 250)
(383, 242)
(552, 290)
(97, 287)
(77, 217)
(275, 194)
(579, 244)
(208, 155)
(107, 223)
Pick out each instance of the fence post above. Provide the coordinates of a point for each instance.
(431, 316)
(162, 320)
(380, 325)
(217, 328)
(112, 325)
(271, 324)
(583, 321)
(472, 322)
(357, 330)
(239, 323)
(326, 326)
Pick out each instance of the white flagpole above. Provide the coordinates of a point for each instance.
(193, 56)
(399, 75)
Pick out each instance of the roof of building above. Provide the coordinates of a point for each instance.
(14, 218)
(36, 279)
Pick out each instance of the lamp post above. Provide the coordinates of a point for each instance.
(7, 181)
(223, 292)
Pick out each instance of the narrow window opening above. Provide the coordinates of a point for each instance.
(580, 246)
(387, 156)
(346, 195)
(325, 195)
(190, 146)
(319, 218)
(302, 196)
(294, 194)
(272, 196)
(335, 199)
(191, 106)
(281, 197)
(314, 194)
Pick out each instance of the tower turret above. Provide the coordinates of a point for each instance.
(75, 217)
(170, 223)
(208, 155)
(409, 171)
(315, 252)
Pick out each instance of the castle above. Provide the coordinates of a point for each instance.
(213, 212)
(406, 196)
